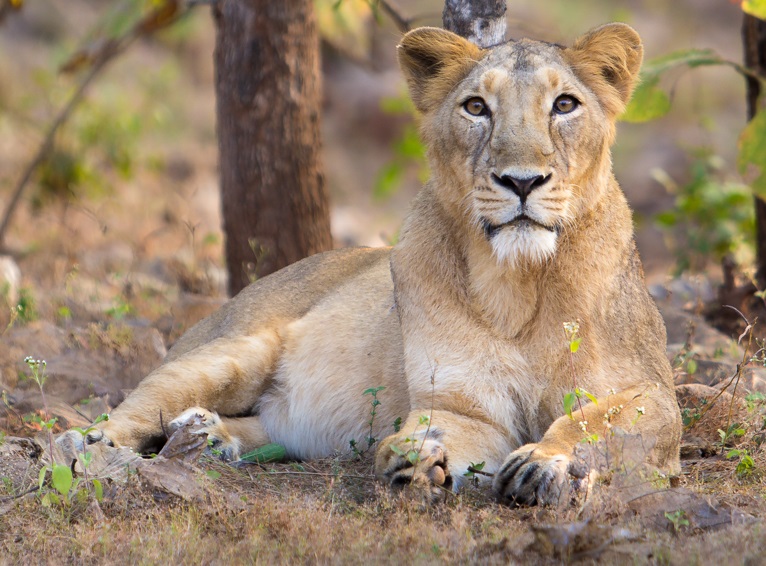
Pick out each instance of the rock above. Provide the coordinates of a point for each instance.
(704, 338)
(19, 462)
(95, 361)
(707, 372)
(684, 292)
(679, 509)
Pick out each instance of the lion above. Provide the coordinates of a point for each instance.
(521, 229)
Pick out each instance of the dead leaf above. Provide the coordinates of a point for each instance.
(172, 476)
(580, 539)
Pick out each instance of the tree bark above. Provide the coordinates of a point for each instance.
(754, 42)
(275, 209)
(479, 21)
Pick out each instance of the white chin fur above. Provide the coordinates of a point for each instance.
(514, 245)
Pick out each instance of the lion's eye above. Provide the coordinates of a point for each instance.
(476, 107)
(565, 104)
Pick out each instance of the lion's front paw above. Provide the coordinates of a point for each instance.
(398, 463)
(220, 442)
(533, 475)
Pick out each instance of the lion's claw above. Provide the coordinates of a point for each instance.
(429, 470)
(529, 476)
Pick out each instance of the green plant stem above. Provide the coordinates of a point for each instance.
(574, 381)
(47, 415)
(430, 416)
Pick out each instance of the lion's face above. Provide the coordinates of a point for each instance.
(518, 134)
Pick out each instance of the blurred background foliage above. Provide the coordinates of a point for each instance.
(136, 161)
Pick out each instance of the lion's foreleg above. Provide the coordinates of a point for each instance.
(435, 449)
(540, 472)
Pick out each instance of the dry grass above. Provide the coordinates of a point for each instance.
(333, 511)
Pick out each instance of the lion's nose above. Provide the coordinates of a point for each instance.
(521, 186)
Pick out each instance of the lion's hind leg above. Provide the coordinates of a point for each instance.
(228, 437)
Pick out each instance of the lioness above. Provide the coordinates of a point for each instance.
(521, 228)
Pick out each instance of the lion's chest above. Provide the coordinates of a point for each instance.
(505, 301)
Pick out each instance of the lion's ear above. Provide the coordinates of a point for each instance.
(608, 59)
(433, 61)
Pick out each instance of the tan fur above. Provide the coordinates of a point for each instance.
(462, 320)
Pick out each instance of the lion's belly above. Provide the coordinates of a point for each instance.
(347, 344)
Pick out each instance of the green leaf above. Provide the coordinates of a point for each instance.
(666, 219)
(591, 396)
(62, 478)
(397, 105)
(574, 345)
(388, 180)
(213, 474)
(266, 454)
(101, 418)
(649, 101)
(41, 477)
(410, 146)
(689, 57)
(373, 390)
(396, 450)
(569, 401)
(98, 490)
(691, 366)
(413, 457)
(752, 152)
(755, 8)
(397, 424)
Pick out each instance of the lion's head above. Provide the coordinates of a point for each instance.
(519, 134)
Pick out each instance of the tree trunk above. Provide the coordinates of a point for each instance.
(754, 41)
(274, 205)
(480, 21)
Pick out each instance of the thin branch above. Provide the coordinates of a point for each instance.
(17, 496)
(403, 24)
(481, 472)
(160, 17)
(733, 379)
(47, 144)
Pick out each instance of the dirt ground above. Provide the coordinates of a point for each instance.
(114, 264)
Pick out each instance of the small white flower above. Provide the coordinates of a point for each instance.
(641, 410)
